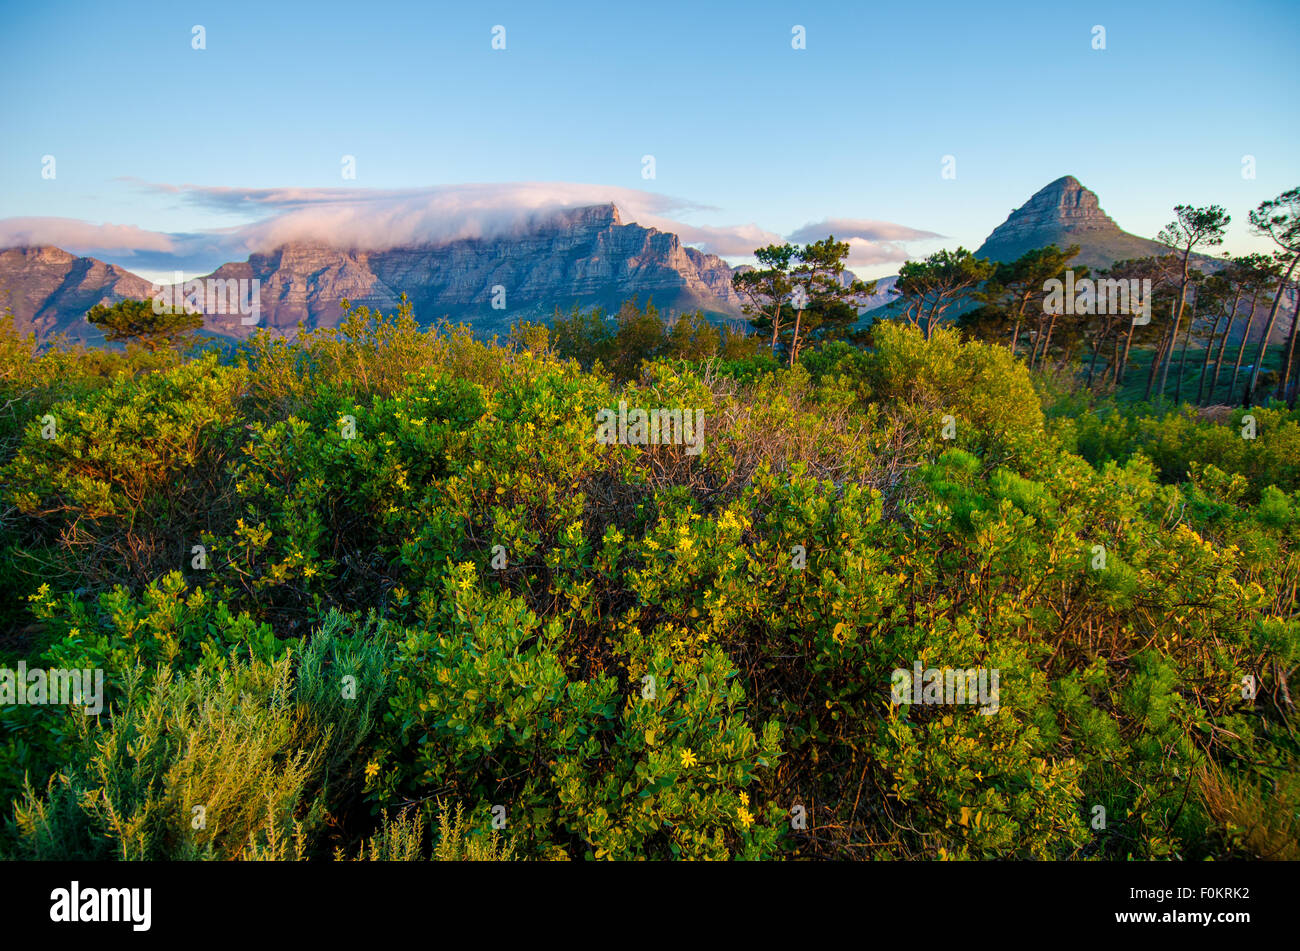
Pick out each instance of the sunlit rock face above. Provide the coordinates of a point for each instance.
(586, 257)
(1065, 213)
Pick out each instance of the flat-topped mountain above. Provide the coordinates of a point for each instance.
(585, 256)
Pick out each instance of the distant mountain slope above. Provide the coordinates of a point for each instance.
(586, 257)
(1060, 213)
(1064, 213)
(50, 290)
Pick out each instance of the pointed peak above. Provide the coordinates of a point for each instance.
(1065, 192)
(1065, 202)
(1064, 183)
(1064, 212)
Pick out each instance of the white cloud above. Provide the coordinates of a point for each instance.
(74, 233)
(872, 244)
(379, 219)
(862, 228)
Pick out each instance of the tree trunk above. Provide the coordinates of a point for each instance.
(1122, 366)
(1295, 388)
(1158, 356)
(1038, 338)
(1096, 352)
(936, 312)
(794, 344)
(1283, 383)
(1205, 364)
(1223, 345)
(1241, 351)
(1047, 341)
(1187, 340)
(1178, 319)
(1268, 327)
(1020, 316)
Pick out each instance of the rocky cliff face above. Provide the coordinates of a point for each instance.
(50, 290)
(586, 257)
(1064, 213)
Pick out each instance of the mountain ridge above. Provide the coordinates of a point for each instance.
(44, 284)
(585, 257)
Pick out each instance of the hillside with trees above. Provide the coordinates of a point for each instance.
(381, 592)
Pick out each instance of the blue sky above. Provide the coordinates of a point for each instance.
(749, 135)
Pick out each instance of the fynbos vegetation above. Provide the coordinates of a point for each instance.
(397, 593)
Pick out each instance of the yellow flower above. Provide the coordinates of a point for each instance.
(688, 759)
(372, 769)
(744, 799)
(745, 818)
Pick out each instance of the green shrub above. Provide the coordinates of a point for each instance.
(981, 385)
(438, 619)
